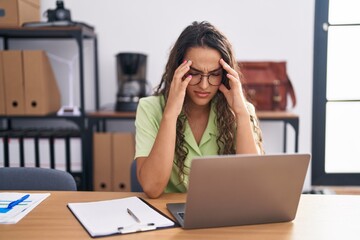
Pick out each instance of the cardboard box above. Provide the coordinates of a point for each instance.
(42, 95)
(102, 161)
(14, 82)
(2, 87)
(30, 87)
(123, 155)
(13, 13)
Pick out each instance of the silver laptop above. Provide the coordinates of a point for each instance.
(242, 190)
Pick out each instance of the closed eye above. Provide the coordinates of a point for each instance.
(215, 74)
(194, 74)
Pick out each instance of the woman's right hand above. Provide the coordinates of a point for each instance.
(154, 170)
(177, 90)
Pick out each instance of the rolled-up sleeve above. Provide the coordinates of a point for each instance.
(147, 122)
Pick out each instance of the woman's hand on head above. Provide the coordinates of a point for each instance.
(177, 91)
(234, 95)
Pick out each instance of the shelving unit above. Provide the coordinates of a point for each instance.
(79, 34)
(97, 122)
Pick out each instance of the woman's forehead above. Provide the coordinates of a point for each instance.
(203, 58)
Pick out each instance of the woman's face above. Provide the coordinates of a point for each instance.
(206, 74)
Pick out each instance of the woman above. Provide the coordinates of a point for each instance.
(198, 109)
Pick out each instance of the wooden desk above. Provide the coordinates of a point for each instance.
(318, 217)
(286, 118)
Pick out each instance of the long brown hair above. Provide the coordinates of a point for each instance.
(201, 34)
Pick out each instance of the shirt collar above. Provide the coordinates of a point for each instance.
(211, 130)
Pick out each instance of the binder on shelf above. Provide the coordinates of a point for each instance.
(75, 151)
(42, 95)
(2, 148)
(44, 149)
(2, 87)
(119, 216)
(102, 161)
(60, 152)
(14, 150)
(14, 82)
(123, 155)
(29, 148)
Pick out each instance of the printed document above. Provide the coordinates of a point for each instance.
(10, 214)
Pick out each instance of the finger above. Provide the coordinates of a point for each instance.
(234, 82)
(187, 80)
(227, 68)
(182, 70)
(224, 89)
(184, 65)
(232, 78)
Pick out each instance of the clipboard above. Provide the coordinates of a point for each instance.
(119, 216)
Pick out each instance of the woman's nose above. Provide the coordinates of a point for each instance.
(204, 81)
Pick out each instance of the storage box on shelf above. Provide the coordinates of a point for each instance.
(16, 12)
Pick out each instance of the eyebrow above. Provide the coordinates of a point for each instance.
(192, 68)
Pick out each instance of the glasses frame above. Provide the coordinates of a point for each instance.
(207, 77)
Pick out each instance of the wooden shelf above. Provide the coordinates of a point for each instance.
(263, 115)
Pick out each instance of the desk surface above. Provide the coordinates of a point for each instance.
(318, 217)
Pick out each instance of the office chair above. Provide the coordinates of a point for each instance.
(134, 184)
(29, 178)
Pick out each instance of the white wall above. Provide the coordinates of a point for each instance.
(258, 29)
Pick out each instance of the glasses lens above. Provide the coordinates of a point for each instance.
(196, 78)
(215, 79)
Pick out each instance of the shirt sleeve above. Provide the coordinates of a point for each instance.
(147, 122)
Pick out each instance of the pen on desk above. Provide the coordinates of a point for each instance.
(16, 202)
(133, 215)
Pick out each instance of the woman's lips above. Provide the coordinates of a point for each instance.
(202, 94)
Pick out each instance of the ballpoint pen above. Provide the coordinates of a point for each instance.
(133, 215)
(16, 202)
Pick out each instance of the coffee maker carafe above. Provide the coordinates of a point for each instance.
(131, 74)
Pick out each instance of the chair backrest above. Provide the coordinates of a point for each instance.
(135, 185)
(29, 178)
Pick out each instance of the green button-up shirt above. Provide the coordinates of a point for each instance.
(148, 118)
(147, 123)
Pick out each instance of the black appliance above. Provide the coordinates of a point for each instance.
(132, 84)
(60, 13)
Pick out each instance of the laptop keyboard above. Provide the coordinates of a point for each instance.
(181, 215)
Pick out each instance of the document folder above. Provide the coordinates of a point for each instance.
(2, 87)
(119, 216)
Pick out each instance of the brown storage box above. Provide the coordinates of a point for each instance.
(123, 155)
(2, 87)
(14, 82)
(30, 87)
(42, 95)
(113, 155)
(13, 13)
(102, 151)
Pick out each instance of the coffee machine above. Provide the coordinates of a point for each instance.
(132, 84)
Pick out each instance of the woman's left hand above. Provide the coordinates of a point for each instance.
(234, 95)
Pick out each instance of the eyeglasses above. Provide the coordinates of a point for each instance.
(214, 79)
